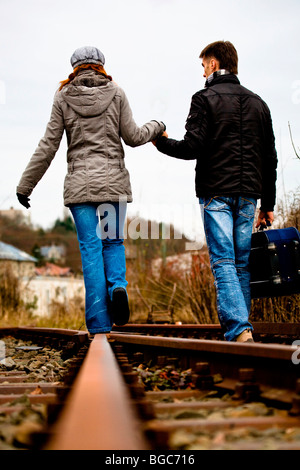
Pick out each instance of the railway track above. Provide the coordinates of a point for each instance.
(139, 389)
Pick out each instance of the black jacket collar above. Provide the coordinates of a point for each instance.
(226, 78)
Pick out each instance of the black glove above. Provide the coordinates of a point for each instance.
(24, 200)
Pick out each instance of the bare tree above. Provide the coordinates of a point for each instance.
(297, 154)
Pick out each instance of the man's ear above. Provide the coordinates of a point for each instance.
(214, 65)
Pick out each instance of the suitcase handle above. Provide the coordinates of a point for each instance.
(262, 227)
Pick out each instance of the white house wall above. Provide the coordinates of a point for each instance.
(47, 289)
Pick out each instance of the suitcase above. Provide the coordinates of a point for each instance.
(275, 263)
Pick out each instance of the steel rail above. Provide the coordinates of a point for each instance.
(261, 330)
(32, 331)
(99, 414)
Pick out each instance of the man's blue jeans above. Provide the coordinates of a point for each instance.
(228, 224)
(100, 235)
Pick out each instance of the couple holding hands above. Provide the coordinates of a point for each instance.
(228, 132)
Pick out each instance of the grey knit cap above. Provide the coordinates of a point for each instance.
(87, 55)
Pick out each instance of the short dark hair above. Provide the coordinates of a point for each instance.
(225, 53)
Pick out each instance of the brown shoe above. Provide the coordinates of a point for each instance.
(245, 337)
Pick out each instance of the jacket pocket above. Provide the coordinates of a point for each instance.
(118, 179)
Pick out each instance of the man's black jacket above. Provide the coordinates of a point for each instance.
(229, 132)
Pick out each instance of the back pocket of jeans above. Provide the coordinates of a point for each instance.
(216, 203)
(247, 208)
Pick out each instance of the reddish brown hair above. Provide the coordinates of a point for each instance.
(225, 53)
(97, 68)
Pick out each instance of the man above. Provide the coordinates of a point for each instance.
(229, 132)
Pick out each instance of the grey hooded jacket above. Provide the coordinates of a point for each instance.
(95, 114)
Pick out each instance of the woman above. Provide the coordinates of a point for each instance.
(96, 115)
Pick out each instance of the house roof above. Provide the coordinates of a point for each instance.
(12, 253)
(52, 270)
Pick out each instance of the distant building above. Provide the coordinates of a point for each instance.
(49, 289)
(54, 253)
(41, 285)
(17, 215)
(53, 283)
(21, 263)
(51, 269)
(180, 265)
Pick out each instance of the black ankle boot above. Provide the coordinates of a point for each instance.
(120, 307)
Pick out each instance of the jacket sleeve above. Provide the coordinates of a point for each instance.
(190, 147)
(269, 166)
(45, 152)
(132, 134)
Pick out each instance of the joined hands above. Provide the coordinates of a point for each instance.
(164, 134)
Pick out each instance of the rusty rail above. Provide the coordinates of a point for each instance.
(268, 332)
(99, 414)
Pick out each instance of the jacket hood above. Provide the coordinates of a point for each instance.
(89, 94)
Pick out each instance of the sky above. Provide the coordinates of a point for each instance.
(152, 51)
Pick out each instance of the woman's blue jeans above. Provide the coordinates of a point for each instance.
(228, 225)
(100, 234)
